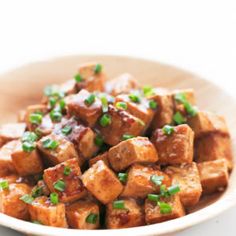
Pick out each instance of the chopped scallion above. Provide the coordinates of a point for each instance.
(92, 218)
(105, 120)
(123, 177)
(54, 198)
(168, 130)
(50, 144)
(60, 185)
(119, 204)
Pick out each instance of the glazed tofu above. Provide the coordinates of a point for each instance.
(123, 84)
(46, 213)
(12, 131)
(68, 87)
(134, 150)
(102, 182)
(153, 212)
(140, 109)
(10, 203)
(131, 216)
(64, 149)
(87, 113)
(46, 127)
(205, 122)
(6, 164)
(103, 157)
(83, 214)
(175, 148)
(68, 174)
(139, 182)
(91, 77)
(214, 175)
(26, 163)
(122, 123)
(165, 109)
(188, 179)
(212, 147)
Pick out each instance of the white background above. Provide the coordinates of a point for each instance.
(196, 35)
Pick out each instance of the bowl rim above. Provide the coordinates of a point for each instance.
(209, 212)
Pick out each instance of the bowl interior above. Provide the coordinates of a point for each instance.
(23, 86)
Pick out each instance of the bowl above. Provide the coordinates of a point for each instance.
(23, 86)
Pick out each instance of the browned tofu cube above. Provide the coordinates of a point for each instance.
(46, 127)
(212, 147)
(12, 131)
(10, 203)
(140, 109)
(68, 87)
(165, 109)
(83, 214)
(141, 182)
(56, 149)
(88, 113)
(131, 216)
(175, 148)
(205, 122)
(46, 213)
(188, 179)
(103, 157)
(102, 182)
(153, 213)
(134, 150)
(64, 179)
(122, 84)
(6, 164)
(214, 175)
(26, 163)
(122, 123)
(91, 77)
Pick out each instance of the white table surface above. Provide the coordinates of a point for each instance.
(196, 35)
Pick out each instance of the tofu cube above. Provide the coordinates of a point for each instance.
(123, 84)
(131, 216)
(102, 182)
(122, 123)
(11, 131)
(188, 179)
(175, 148)
(165, 109)
(6, 164)
(140, 110)
(154, 215)
(46, 127)
(214, 175)
(205, 122)
(214, 146)
(26, 163)
(64, 151)
(10, 203)
(91, 78)
(103, 157)
(43, 211)
(73, 188)
(139, 183)
(79, 215)
(88, 114)
(134, 150)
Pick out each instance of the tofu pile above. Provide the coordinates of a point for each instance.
(98, 153)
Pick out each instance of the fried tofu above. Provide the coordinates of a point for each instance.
(26, 163)
(102, 182)
(175, 148)
(83, 214)
(46, 127)
(131, 216)
(122, 123)
(10, 203)
(214, 175)
(188, 179)
(6, 164)
(153, 212)
(73, 188)
(205, 122)
(103, 157)
(134, 150)
(212, 147)
(65, 150)
(139, 183)
(123, 84)
(87, 113)
(92, 77)
(12, 131)
(46, 213)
